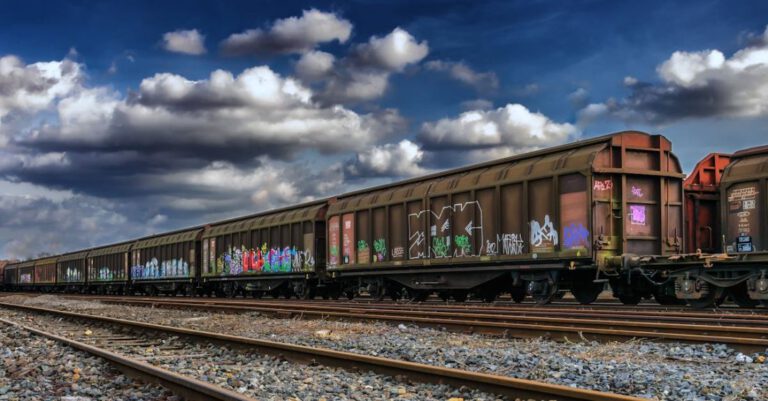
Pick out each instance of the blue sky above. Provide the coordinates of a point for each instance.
(121, 119)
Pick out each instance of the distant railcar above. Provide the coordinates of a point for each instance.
(167, 263)
(71, 272)
(702, 201)
(107, 269)
(45, 274)
(280, 252)
(536, 223)
(25, 280)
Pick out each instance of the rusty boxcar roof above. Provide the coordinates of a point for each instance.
(110, 249)
(172, 238)
(46, 261)
(307, 211)
(747, 164)
(68, 257)
(576, 156)
(708, 172)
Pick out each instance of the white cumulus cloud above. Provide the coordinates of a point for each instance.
(185, 42)
(400, 159)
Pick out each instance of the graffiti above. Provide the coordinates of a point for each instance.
(491, 248)
(237, 261)
(104, 274)
(363, 252)
(25, 278)
(398, 252)
(637, 191)
(511, 244)
(73, 274)
(380, 247)
(417, 236)
(575, 236)
(543, 234)
(440, 246)
(463, 247)
(637, 215)
(156, 269)
(603, 185)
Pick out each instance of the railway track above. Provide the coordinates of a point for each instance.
(127, 335)
(746, 332)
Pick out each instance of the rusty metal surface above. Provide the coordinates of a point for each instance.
(702, 204)
(744, 200)
(192, 389)
(352, 361)
(532, 207)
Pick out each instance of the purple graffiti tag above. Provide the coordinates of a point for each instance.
(637, 191)
(575, 236)
(637, 215)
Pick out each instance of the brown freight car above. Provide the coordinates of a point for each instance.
(535, 223)
(70, 271)
(45, 274)
(107, 268)
(702, 204)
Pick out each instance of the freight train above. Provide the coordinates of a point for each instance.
(613, 209)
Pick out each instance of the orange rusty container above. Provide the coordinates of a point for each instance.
(702, 204)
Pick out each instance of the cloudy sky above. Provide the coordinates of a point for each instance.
(119, 120)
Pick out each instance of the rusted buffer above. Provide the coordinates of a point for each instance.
(556, 219)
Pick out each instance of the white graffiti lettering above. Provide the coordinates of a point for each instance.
(441, 244)
(543, 232)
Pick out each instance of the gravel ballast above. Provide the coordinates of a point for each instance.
(663, 371)
(35, 368)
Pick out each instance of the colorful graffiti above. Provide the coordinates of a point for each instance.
(463, 246)
(575, 236)
(440, 246)
(240, 260)
(637, 215)
(637, 191)
(104, 274)
(25, 278)
(603, 185)
(363, 252)
(73, 274)
(165, 269)
(380, 249)
(543, 235)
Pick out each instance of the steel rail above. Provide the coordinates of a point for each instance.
(743, 338)
(502, 385)
(189, 388)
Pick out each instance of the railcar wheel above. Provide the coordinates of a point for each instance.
(542, 291)
(740, 296)
(630, 299)
(713, 298)
(350, 294)
(518, 294)
(586, 292)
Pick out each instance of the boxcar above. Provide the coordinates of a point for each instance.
(744, 199)
(70, 271)
(11, 276)
(534, 223)
(107, 268)
(166, 263)
(26, 275)
(45, 274)
(279, 252)
(702, 204)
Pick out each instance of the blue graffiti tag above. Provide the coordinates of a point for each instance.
(575, 236)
